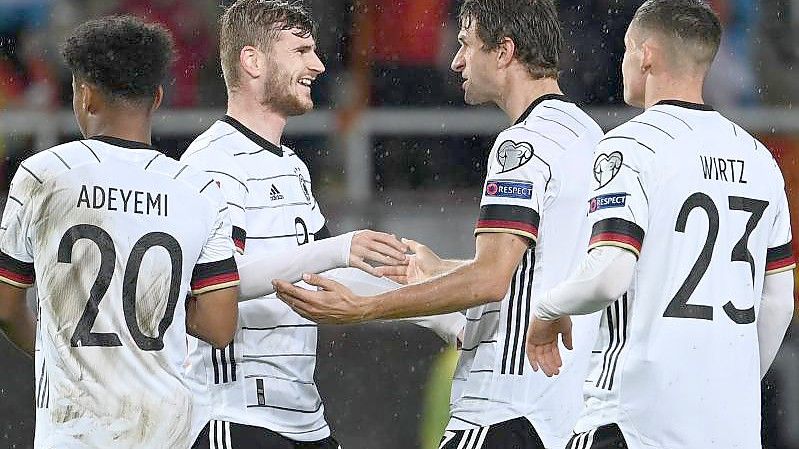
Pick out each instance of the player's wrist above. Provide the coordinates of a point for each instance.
(369, 308)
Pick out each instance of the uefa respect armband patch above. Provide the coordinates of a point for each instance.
(607, 201)
(509, 189)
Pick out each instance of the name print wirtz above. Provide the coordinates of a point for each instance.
(123, 200)
(721, 169)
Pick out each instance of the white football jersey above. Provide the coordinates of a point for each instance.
(701, 202)
(533, 189)
(265, 378)
(116, 235)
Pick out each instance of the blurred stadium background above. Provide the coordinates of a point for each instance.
(392, 147)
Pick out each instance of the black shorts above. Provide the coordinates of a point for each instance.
(517, 433)
(228, 435)
(604, 437)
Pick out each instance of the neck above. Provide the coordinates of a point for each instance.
(673, 88)
(261, 119)
(124, 123)
(521, 92)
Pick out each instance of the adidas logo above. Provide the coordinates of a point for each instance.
(274, 194)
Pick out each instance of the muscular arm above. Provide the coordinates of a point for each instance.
(17, 320)
(448, 326)
(776, 311)
(212, 316)
(482, 280)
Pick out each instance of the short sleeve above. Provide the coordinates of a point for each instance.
(514, 188)
(232, 180)
(779, 256)
(216, 267)
(16, 254)
(618, 208)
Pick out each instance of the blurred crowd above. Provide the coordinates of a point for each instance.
(397, 52)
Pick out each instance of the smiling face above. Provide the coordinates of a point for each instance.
(476, 65)
(292, 67)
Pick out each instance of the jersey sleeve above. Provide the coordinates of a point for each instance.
(216, 267)
(514, 188)
(16, 253)
(779, 256)
(232, 180)
(618, 208)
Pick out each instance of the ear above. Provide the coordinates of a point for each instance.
(250, 61)
(159, 96)
(505, 52)
(650, 51)
(89, 97)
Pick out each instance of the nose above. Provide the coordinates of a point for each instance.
(316, 64)
(458, 61)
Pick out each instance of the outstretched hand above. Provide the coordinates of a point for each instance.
(377, 247)
(542, 343)
(333, 303)
(420, 266)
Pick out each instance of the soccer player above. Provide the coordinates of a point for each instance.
(262, 384)
(528, 237)
(116, 234)
(690, 257)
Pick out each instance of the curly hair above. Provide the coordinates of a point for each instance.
(532, 25)
(257, 23)
(126, 58)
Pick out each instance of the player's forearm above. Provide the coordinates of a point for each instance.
(448, 265)
(257, 271)
(447, 326)
(776, 311)
(604, 275)
(469, 285)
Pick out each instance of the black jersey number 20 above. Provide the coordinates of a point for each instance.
(679, 307)
(83, 335)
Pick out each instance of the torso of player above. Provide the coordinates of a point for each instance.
(494, 381)
(111, 318)
(682, 344)
(265, 378)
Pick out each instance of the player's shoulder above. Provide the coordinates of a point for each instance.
(554, 126)
(215, 151)
(220, 141)
(55, 161)
(635, 137)
(565, 116)
(195, 182)
(658, 127)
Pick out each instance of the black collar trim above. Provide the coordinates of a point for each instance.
(124, 143)
(686, 104)
(538, 101)
(250, 134)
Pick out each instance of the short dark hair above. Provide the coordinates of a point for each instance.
(126, 58)
(531, 24)
(257, 23)
(690, 23)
